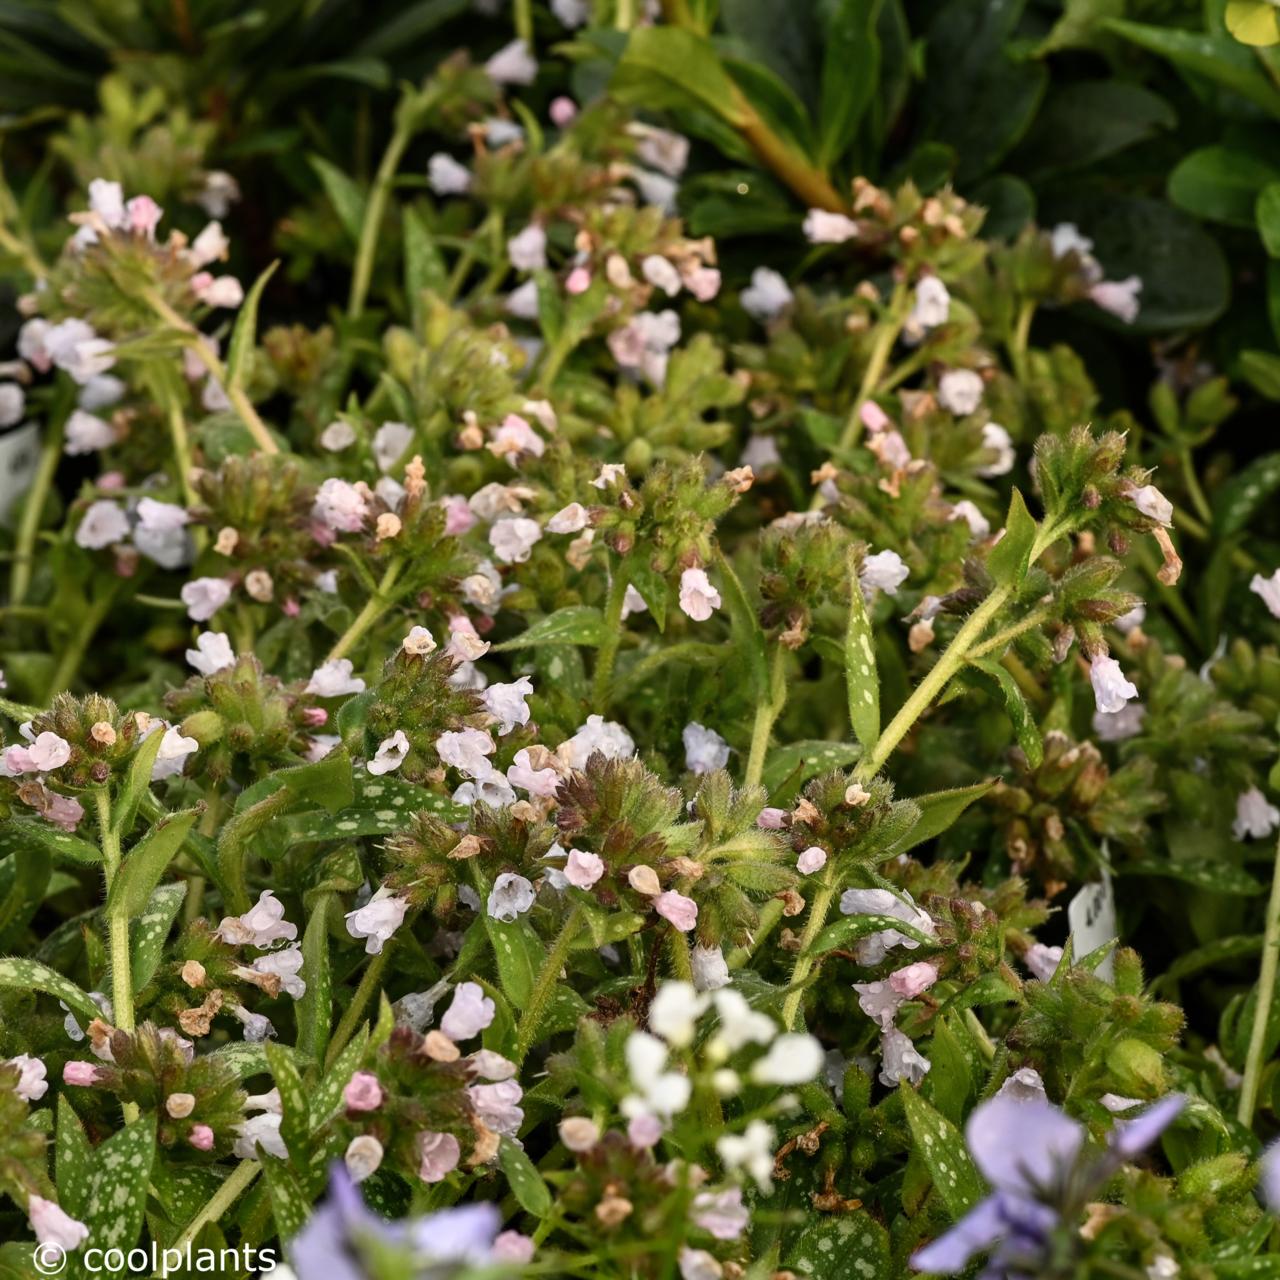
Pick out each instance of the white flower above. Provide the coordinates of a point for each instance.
(32, 1085)
(161, 533)
(598, 734)
(659, 272)
(872, 949)
(320, 744)
(106, 199)
(740, 1025)
(511, 896)
(507, 703)
(632, 602)
(522, 301)
(883, 571)
(1110, 688)
(822, 227)
(999, 441)
(582, 869)
(527, 251)
(931, 306)
(1116, 726)
(1042, 961)
(86, 432)
(979, 525)
(513, 64)
(446, 176)
(174, 750)
(960, 391)
(341, 506)
(1256, 816)
(419, 641)
(54, 1228)
(338, 435)
(204, 597)
(674, 1013)
(74, 347)
(285, 965)
(1152, 503)
(12, 402)
(662, 1092)
(698, 1264)
(224, 291)
(542, 781)
(751, 1151)
(1119, 297)
(390, 754)
(793, 1058)
(571, 519)
(377, 920)
(767, 296)
(100, 392)
(103, 523)
(704, 749)
(814, 858)
(710, 968)
(489, 786)
(260, 926)
(571, 13)
(900, 1059)
(615, 473)
(389, 443)
(210, 246)
(643, 343)
(698, 598)
(513, 539)
(260, 1130)
(466, 749)
(496, 1106)
(469, 1014)
(879, 1001)
(1065, 238)
(334, 679)
(1268, 589)
(216, 197)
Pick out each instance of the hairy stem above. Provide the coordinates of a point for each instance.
(1253, 1063)
(32, 509)
(1020, 337)
(369, 982)
(819, 908)
(766, 714)
(602, 677)
(374, 208)
(117, 930)
(545, 984)
(373, 609)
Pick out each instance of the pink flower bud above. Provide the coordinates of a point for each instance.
(201, 1137)
(363, 1092)
(915, 978)
(314, 717)
(681, 911)
(579, 280)
(562, 111)
(82, 1073)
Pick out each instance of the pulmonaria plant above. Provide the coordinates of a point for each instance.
(572, 763)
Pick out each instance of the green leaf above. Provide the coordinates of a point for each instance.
(327, 1098)
(150, 930)
(652, 587)
(862, 682)
(244, 335)
(942, 1149)
(1267, 212)
(31, 975)
(290, 1207)
(526, 1183)
(295, 1108)
(1262, 369)
(117, 1192)
(20, 832)
(996, 677)
(346, 197)
(850, 75)
(797, 762)
(328, 781)
(74, 1158)
(1244, 495)
(137, 783)
(840, 1246)
(519, 954)
(574, 624)
(314, 1010)
(24, 877)
(1208, 873)
(1221, 184)
(146, 862)
(1216, 57)
(242, 1059)
(843, 933)
(674, 67)
(1010, 558)
(938, 810)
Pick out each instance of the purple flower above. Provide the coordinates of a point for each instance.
(1031, 1153)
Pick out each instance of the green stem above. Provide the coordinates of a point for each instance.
(545, 984)
(608, 651)
(1194, 490)
(524, 22)
(373, 609)
(32, 509)
(1262, 1009)
(766, 714)
(217, 1205)
(369, 982)
(819, 907)
(117, 930)
(71, 657)
(181, 451)
(1020, 337)
(1007, 635)
(362, 273)
(209, 358)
